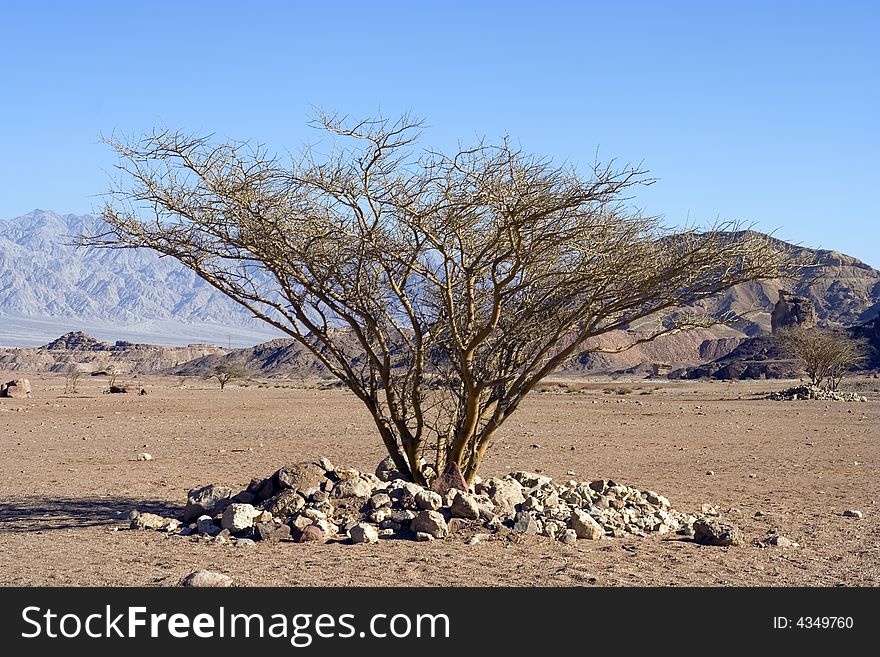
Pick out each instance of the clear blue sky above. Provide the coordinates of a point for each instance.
(762, 111)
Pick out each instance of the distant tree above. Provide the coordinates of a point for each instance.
(226, 373)
(826, 354)
(72, 375)
(440, 289)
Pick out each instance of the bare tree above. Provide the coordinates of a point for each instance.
(72, 376)
(440, 289)
(226, 373)
(826, 354)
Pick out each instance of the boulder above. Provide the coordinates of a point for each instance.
(270, 531)
(285, 503)
(238, 517)
(387, 470)
(299, 476)
(356, 487)
(585, 526)
(311, 534)
(206, 578)
(505, 493)
(208, 500)
(430, 522)
(712, 531)
(16, 389)
(428, 500)
(364, 532)
(464, 506)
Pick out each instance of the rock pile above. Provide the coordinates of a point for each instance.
(814, 392)
(316, 501)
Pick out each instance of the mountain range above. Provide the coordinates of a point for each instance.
(48, 287)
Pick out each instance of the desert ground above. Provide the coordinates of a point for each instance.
(70, 478)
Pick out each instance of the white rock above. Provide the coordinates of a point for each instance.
(238, 517)
(364, 532)
(430, 522)
(143, 456)
(206, 578)
(585, 527)
(428, 500)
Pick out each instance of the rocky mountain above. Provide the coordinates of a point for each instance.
(46, 285)
(83, 353)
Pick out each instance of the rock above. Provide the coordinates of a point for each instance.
(208, 500)
(600, 485)
(378, 515)
(206, 578)
(344, 473)
(387, 471)
(430, 522)
(364, 532)
(270, 531)
(380, 500)
(532, 503)
(143, 456)
(263, 516)
(526, 523)
(530, 479)
(311, 534)
(428, 500)
(712, 531)
(464, 506)
(424, 536)
(285, 503)
(299, 476)
(238, 517)
(356, 487)
(792, 310)
(16, 389)
(244, 542)
(205, 525)
(324, 463)
(245, 497)
(152, 521)
(450, 478)
(781, 541)
(506, 494)
(403, 516)
(585, 526)
(569, 537)
(852, 513)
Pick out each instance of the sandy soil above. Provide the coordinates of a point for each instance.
(69, 479)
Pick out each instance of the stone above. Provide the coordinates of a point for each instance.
(325, 464)
(569, 537)
(852, 513)
(464, 506)
(206, 578)
(299, 476)
(205, 525)
(430, 522)
(450, 478)
(792, 310)
(530, 479)
(585, 526)
(311, 534)
(356, 487)
(144, 456)
(378, 515)
(300, 522)
(245, 497)
(210, 500)
(270, 531)
(244, 542)
(344, 473)
(506, 494)
(424, 536)
(285, 503)
(364, 532)
(238, 517)
(526, 523)
(713, 531)
(150, 521)
(387, 470)
(263, 516)
(16, 389)
(476, 538)
(532, 503)
(403, 515)
(428, 500)
(781, 541)
(379, 500)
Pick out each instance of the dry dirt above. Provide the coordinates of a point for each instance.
(70, 478)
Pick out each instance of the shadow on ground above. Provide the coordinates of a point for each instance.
(31, 514)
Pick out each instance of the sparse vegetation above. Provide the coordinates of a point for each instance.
(826, 354)
(440, 289)
(226, 373)
(72, 376)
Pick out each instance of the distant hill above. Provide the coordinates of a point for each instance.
(48, 287)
